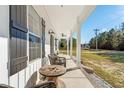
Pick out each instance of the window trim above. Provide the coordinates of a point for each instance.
(43, 37)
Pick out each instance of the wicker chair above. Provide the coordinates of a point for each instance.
(48, 84)
(56, 60)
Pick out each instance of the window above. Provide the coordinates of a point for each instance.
(18, 38)
(34, 34)
(34, 22)
(34, 47)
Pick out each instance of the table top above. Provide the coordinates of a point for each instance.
(52, 70)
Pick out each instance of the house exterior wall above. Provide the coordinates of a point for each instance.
(4, 34)
(21, 78)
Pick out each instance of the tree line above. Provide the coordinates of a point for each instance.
(110, 40)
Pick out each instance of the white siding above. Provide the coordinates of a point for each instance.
(4, 29)
(47, 51)
(20, 79)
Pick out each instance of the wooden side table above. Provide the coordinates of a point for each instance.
(52, 72)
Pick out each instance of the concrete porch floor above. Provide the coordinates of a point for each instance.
(75, 78)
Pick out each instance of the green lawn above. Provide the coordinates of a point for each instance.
(106, 64)
(117, 57)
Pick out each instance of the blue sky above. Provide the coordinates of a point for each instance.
(103, 17)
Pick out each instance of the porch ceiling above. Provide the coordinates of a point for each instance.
(64, 18)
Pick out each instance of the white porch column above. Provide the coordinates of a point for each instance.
(67, 46)
(71, 43)
(58, 45)
(78, 44)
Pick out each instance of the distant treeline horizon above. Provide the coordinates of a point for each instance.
(110, 40)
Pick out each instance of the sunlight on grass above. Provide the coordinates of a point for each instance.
(62, 51)
(105, 67)
(93, 56)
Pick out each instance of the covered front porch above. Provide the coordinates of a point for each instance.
(65, 21)
(28, 48)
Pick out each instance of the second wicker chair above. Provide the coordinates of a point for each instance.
(56, 60)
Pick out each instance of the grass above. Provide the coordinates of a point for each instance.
(118, 57)
(108, 75)
(107, 65)
(63, 51)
